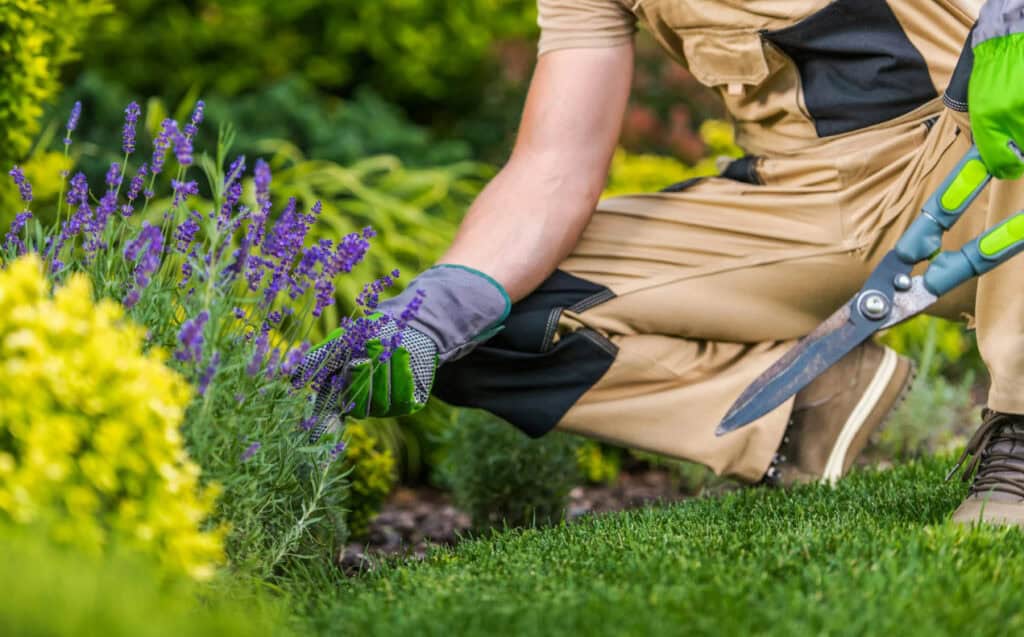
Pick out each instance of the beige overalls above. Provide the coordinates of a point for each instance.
(686, 296)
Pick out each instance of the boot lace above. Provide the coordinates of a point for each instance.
(997, 456)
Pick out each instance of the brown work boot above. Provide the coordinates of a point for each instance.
(834, 417)
(997, 493)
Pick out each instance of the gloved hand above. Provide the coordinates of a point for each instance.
(455, 308)
(996, 89)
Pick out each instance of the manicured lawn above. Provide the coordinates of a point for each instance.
(876, 555)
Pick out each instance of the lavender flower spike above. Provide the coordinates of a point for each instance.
(11, 239)
(24, 187)
(197, 118)
(250, 451)
(168, 132)
(191, 338)
(76, 113)
(208, 373)
(131, 119)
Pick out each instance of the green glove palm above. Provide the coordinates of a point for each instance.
(385, 382)
(997, 104)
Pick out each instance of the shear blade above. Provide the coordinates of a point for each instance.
(815, 353)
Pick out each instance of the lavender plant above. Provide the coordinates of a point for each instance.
(231, 287)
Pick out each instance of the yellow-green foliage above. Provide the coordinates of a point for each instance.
(90, 445)
(58, 592)
(36, 38)
(597, 463)
(939, 342)
(648, 173)
(372, 474)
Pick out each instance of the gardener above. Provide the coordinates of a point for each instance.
(639, 322)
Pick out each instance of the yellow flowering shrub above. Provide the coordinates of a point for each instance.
(90, 446)
(636, 173)
(372, 474)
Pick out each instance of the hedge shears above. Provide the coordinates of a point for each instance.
(891, 295)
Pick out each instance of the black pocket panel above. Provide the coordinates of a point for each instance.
(519, 375)
(857, 65)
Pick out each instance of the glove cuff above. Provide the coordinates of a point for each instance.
(461, 308)
(998, 18)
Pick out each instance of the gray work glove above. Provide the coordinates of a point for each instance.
(442, 315)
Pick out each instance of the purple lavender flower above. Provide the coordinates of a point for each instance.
(11, 239)
(208, 373)
(197, 118)
(308, 423)
(250, 451)
(78, 191)
(369, 298)
(76, 112)
(408, 314)
(77, 199)
(97, 224)
(337, 450)
(168, 132)
(131, 118)
(186, 275)
(191, 338)
(186, 233)
(275, 356)
(294, 359)
(182, 190)
(134, 190)
(152, 240)
(262, 345)
(183, 149)
(24, 187)
(261, 179)
(239, 313)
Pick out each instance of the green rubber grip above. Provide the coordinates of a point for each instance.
(984, 253)
(959, 190)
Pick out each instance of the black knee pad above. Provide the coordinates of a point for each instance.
(521, 374)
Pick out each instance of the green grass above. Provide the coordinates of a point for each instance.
(875, 555)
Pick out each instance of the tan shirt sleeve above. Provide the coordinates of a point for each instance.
(583, 24)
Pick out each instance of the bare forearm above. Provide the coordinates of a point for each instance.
(524, 224)
(531, 215)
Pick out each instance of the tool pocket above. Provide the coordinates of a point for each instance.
(730, 62)
(857, 66)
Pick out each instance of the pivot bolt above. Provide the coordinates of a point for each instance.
(902, 282)
(874, 305)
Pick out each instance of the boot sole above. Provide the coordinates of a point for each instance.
(838, 462)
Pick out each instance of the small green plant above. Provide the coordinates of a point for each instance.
(502, 478)
(598, 463)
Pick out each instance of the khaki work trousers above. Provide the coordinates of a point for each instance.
(714, 283)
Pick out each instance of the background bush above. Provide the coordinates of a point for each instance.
(503, 478)
(415, 50)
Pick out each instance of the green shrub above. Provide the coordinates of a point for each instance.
(320, 126)
(430, 49)
(503, 478)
